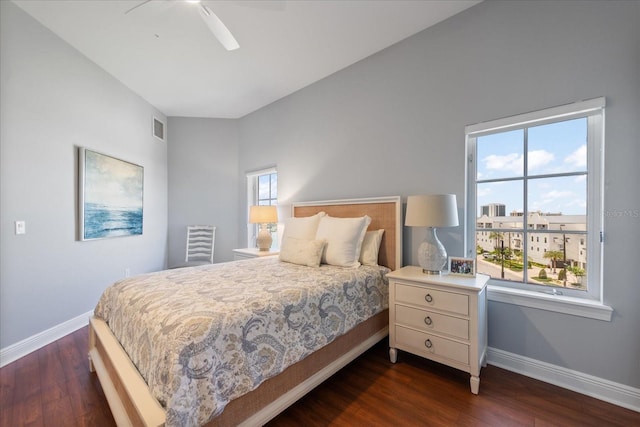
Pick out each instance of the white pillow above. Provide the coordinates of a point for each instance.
(371, 247)
(302, 228)
(344, 238)
(301, 251)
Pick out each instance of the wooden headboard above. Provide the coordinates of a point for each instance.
(385, 213)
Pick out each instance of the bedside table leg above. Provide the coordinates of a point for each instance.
(475, 384)
(393, 355)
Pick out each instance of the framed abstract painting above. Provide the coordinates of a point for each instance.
(110, 196)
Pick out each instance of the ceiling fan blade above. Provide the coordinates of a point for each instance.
(137, 6)
(155, 7)
(218, 28)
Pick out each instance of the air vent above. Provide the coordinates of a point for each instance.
(158, 129)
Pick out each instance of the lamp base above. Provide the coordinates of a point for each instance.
(264, 239)
(432, 256)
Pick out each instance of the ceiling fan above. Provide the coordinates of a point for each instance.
(217, 27)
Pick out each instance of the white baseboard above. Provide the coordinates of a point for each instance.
(599, 388)
(33, 343)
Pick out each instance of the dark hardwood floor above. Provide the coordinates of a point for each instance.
(53, 387)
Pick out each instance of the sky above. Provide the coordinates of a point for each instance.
(268, 187)
(553, 149)
(112, 182)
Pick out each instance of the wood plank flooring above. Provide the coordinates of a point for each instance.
(53, 387)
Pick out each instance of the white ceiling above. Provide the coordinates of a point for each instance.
(164, 52)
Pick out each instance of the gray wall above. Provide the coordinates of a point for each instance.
(203, 182)
(394, 124)
(52, 100)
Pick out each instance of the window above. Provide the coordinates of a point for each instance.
(262, 189)
(267, 189)
(544, 170)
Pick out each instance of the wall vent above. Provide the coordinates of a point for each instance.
(158, 128)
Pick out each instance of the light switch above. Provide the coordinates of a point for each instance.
(21, 227)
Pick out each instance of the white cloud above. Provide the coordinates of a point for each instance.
(553, 200)
(539, 158)
(577, 159)
(514, 162)
(511, 162)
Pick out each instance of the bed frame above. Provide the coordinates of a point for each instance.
(129, 397)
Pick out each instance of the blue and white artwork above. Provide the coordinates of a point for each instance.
(111, 196)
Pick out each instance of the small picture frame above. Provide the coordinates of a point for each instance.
(462, 266)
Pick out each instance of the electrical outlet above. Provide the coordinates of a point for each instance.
(21, 227)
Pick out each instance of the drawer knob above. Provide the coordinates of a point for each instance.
(428, 320)
(428, 298)
(428, 344)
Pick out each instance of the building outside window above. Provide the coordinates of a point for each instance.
(537, 177)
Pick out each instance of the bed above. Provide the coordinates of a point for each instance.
(131, 397)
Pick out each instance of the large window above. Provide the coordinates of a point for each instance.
(262, 189)
(535, 199)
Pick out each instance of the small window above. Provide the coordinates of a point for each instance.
(262, 189)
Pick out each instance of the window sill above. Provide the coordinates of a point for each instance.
(558, 303)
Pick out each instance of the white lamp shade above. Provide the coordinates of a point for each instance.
(263, 214)
(434, 210)
(438, 210)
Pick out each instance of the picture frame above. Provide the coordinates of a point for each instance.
(110, 196)
(462, 266)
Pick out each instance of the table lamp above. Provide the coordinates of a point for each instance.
(432, 211)
(263, 215)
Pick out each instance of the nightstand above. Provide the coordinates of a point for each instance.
(439, 317)
(246, 253)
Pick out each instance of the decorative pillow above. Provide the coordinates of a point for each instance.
(344, 238)
(302, 228)
(371, 247)
(301, 251)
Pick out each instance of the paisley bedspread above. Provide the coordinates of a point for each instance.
(202, 336)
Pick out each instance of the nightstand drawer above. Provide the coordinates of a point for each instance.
(432, 298)
(432, 322)
(428, 345)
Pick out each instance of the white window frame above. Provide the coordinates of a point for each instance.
(252, 199)
(580, 303)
